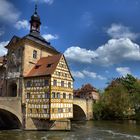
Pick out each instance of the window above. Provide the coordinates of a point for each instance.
(46, 82)
(62, 83)
(69, 84)
(69, 109)
(28, 83)
(55, 82)
(58, 73)
(58, 95)
(64, 95)
(53, 94)
(28, 95)
(70, 96)
(49, 65)
(45, 111)
(37, 110)
(47, 95)
(34, 54)
(60, 110)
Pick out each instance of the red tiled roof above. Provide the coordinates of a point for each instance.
(45, 66)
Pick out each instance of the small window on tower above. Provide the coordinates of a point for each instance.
(34, 54)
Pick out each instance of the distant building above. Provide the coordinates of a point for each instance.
(87, 91)
(38, 74)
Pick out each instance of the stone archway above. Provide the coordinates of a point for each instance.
(8, 120)
(12, 90)
(78, 113)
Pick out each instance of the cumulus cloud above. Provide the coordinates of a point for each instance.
(49, 37)
(123, 70)
(8, 12)
(49, 2)
(78, 74)
(22, 24)
(3, 50)
(76, 53)
(113, 52)
(120, 31)
(84, 74)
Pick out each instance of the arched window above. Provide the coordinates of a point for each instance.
(34, 54)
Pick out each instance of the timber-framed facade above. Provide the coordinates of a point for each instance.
(38, 74)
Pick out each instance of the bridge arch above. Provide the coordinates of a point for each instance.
(82, 109)
(9, 118)
(78, 113)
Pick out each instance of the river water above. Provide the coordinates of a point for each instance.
(90, 130)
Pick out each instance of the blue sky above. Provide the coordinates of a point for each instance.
(100, 38)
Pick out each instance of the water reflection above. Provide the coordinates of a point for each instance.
(91, 130)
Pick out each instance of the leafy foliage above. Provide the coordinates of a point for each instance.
(120, 100)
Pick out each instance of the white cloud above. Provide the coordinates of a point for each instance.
(84, 74)
(49, 2)
(113, 52)
(49, 37)
(22, 24)
(120, 31)
(78, 74)
(123, 70)
(8, 12)
(3, 50)
(76, 53)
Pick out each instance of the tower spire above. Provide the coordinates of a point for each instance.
(35, 22)
(36, 8)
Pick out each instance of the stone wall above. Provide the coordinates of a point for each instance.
(42, 124)
(85, 105)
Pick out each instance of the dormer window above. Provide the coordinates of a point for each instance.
(34, 54)
(49, 65)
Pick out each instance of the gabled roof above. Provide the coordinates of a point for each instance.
(14, 39)
(45, 66)
(36, 37)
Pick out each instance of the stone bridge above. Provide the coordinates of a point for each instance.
(10, 112)
(82, 109)
(11, 115)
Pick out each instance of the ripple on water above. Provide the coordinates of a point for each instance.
(43, 138)
(131, 137)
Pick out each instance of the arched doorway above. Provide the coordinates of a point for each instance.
(12, 90)
(78, 113)
(8, 120)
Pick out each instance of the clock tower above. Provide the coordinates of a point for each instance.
(35, 22)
